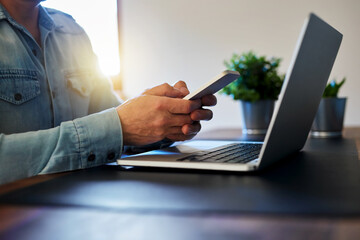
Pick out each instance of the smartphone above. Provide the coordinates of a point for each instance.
(214, 85)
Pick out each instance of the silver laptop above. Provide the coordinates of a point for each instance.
(306, 78)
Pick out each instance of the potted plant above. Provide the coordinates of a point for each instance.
(329, 118)
(257, 89)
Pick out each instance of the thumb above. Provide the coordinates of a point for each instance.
(164, 90)
(181, 85)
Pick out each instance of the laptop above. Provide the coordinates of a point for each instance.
(305, 80)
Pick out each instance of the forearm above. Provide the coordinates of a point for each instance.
(85, 142)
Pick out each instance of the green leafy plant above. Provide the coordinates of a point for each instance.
(259, 79)
(332, 88)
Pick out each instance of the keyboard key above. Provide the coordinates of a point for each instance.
(232, 153)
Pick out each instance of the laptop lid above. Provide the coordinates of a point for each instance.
(305, 81)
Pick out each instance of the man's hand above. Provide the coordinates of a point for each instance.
(157, 113)
(160, 112)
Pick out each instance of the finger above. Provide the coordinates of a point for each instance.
(178, 120)
(201, 115)
(209, 100)
(164, 90)
(174, 131)
(181, 85)
(191, 129)
(181, 106)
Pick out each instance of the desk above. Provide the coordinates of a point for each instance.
(47, 221)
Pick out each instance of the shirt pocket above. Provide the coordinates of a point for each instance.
(80, 81)
(18, 86)
(80, 85)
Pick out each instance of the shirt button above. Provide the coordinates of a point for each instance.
(17, 96)
(111, 156)
(91, 157)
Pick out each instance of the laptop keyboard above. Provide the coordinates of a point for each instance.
(231, 153)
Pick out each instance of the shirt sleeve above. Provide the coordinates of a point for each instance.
(84, 142)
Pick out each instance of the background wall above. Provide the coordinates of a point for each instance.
(166, 41)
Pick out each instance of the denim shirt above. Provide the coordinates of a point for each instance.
(56, 109)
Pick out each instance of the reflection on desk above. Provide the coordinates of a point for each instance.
(31, 210)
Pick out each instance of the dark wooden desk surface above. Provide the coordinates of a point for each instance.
(46, 222)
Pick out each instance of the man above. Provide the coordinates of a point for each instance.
(57, 113)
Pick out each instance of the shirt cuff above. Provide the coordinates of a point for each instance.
(100, 138)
